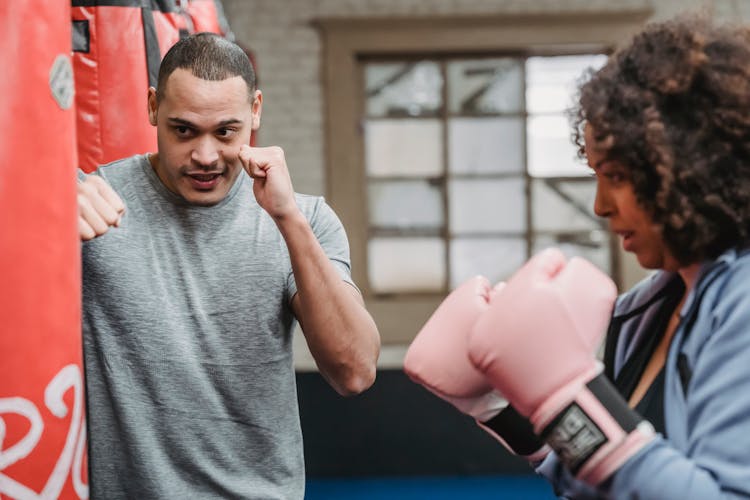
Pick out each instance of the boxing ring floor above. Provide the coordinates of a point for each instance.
(432, 488)
(398, 441)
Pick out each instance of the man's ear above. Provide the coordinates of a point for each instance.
(152, 106)
(257, 108)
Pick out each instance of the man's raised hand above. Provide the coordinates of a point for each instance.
(99, 207)
(273, 185)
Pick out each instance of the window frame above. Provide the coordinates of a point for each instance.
(348, 41)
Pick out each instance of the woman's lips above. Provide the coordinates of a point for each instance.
(627, 239)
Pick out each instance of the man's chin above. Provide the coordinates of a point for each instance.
(204, 201)
(203, 198)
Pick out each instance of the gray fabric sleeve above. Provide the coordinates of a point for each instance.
(331, 235)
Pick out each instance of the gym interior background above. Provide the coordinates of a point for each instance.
(398, 111)
(437, 131)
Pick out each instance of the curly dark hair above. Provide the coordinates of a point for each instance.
(673, 106)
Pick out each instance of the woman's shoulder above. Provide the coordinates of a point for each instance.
(644, 292)
(729, 271)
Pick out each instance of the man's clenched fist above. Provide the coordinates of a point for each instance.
(99, 207)
(273, 185)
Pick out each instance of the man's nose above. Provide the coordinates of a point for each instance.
(205, 152)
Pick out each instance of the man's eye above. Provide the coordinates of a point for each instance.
(225, 132)
(182, 130)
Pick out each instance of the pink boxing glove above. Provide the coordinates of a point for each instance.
(534, 344)
(438, 360)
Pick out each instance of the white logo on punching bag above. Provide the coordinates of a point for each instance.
(61, 81)
(71, 457)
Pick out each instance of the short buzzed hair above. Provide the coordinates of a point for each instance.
(208, 56)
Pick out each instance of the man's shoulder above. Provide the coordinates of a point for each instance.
(324, 221)
(314, 206)
(308, 202)
(124, 168)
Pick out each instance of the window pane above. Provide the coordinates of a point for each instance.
(487, 206)
(485, 145)
(410, 148)
(405, 204)
(593, 246)
(560, 205)
(406, 264)
(551, 151)
(496, 258)
(485, 86)
(404, 89)
(551, 82)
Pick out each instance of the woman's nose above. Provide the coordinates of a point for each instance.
(603, 206)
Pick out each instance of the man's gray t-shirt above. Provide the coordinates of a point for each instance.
(187, 339)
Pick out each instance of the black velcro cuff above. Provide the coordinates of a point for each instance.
(516, 430)
(613, 401)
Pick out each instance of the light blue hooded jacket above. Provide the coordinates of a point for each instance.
(706, 455)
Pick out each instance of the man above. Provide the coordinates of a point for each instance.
(190, 297)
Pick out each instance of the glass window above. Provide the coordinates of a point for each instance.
(551, 82)
(593, 246)
(551, 152)
(495, 258)
(485, 145)
(487, 206)
(406, 264)
(561, 205)
(405, 204)
(485, 86)
(407, 148)
(404, 89)
(470, 169)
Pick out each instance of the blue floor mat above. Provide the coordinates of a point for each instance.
(432, 488)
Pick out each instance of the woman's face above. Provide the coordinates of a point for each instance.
(616, 201)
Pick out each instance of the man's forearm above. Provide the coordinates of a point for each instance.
(340, 333)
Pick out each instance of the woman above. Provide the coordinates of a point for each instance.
(665, 126)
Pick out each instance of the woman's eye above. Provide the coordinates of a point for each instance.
(613, 175)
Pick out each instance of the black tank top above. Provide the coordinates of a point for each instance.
(651, 406)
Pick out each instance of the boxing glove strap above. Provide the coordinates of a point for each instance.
(596, 432)
(515, 431)
(618, 408)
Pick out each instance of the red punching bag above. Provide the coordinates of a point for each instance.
(42, 422)
(117, 48)
(207, 15)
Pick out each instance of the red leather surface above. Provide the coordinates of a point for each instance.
(42, 426)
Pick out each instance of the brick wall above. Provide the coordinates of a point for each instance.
(288, 52)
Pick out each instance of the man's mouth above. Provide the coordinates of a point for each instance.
(204, 180)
